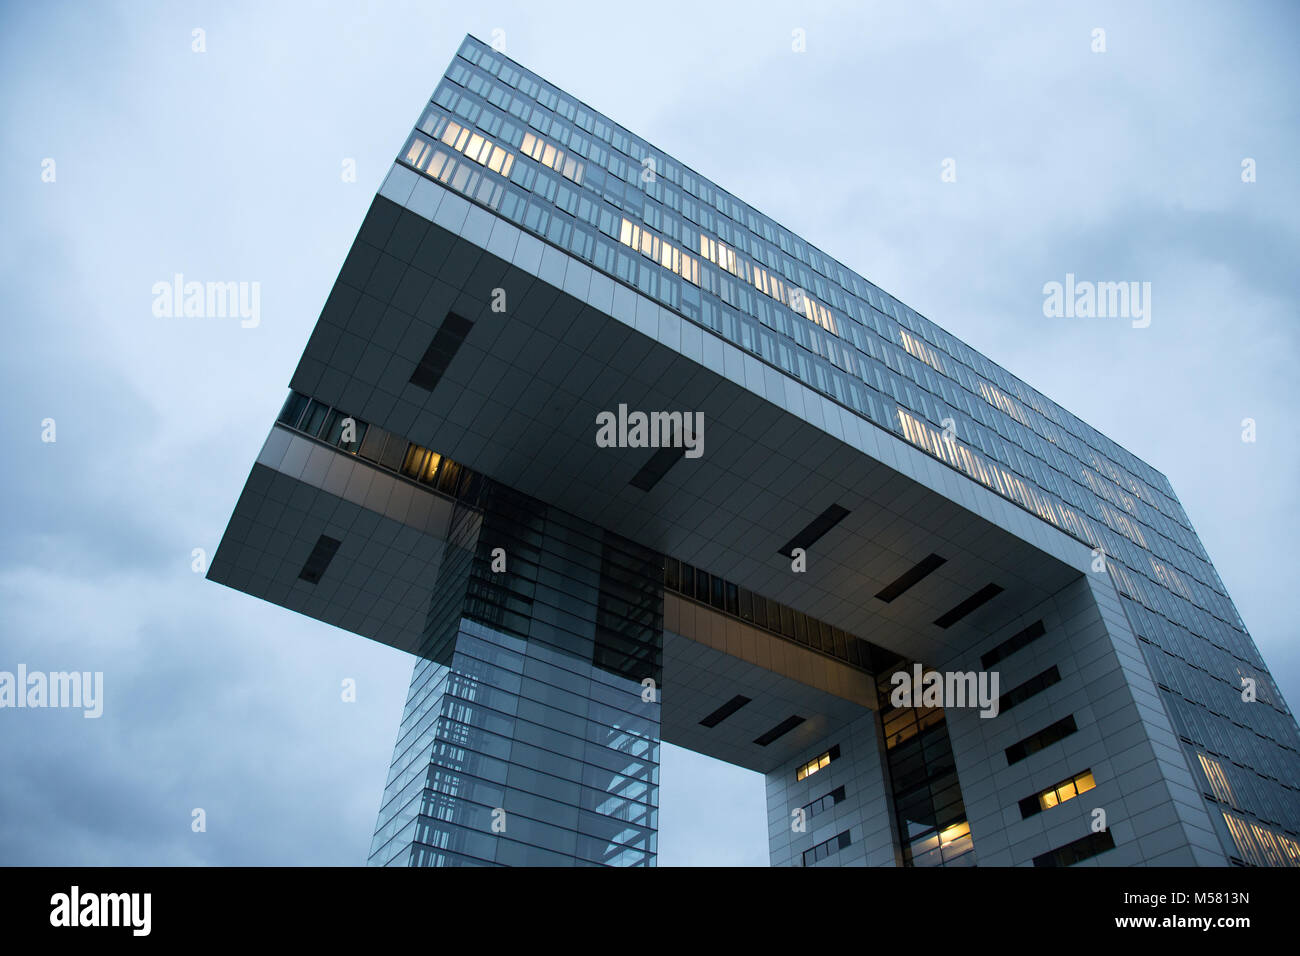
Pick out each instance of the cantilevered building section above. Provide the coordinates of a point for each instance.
(434, 482)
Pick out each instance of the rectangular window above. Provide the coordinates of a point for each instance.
(1012, 644)
(293, 409)
(688, 580)
(671, 570)
(1080, 849)
(314, 419)
(817, 763)
(1044, 738)
(373, 444)
(1057, 794)
(822, 850)
(1035, 685)
(823, 803)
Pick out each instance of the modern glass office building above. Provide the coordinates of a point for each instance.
(870, 495)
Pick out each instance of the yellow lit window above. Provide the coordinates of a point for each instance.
(954, 833)
(436, 163)
(810, 768)
(1218, 780)
(495, 160)
(548, 155)
(1066, 790)
(414, 461)
(430, 467)
(413, 154)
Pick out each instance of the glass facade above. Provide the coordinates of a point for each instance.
(531, 732)
(928, 805)
(512, 143)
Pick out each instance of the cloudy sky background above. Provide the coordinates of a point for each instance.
(225, 165)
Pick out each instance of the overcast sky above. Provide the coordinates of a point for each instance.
(1123, 165)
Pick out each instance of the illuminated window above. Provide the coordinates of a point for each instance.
(1057, 794)
(551, 156)
(986, 472)
(817, 763)
(797, 300)
(1218, 780)
(1260, 845)
(661, 251)
(439, 165)
(1004, 403)
(421, 464)
(418, 153)
(919, 350)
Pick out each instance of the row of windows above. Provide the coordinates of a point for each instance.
(822, 850)
(1057, 794)
(823, 803)
(551, 157)
(793, 297)
(1201, 688)
(662, 252)
(478, 148)
(1018, 640)
(1035, 685)
(1261, 775)
(1171, 594)
(1044, 738)
(1219, 687)
(820, 762)
(378, 446)
(1260, 846)
(771, 615)
(1077, 850)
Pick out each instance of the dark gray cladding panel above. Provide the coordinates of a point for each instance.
(377, 582)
